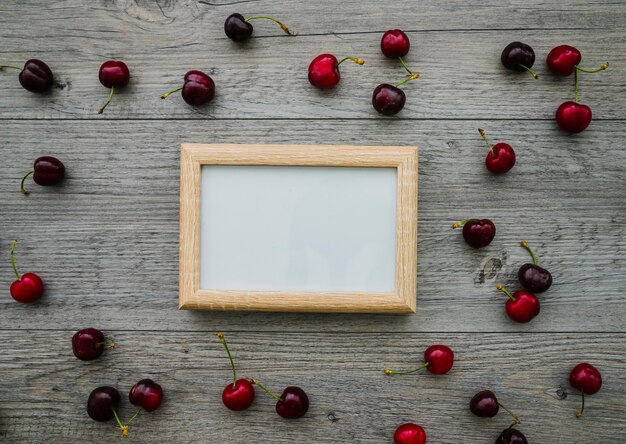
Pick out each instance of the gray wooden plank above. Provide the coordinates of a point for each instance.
(462, 75)
(106, 242)
(45, 388)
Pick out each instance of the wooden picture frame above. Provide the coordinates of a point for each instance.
(403, 159)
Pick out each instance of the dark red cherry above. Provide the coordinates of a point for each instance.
(146, 394)
(324, 70)
(485, 404)
(532, 276)
(88, 344)
(236, 28)
(113, 74)
(563, 59)
(573, 117)
(501, 156)
(395, 43)
(522, 306)
(518, 56)
(293, 403)
(511, 436)
(28, 287)
(438, 360)
(36, 76)
(102, 402)
(47, 171)
(477, 233)
(388, 99)
(586, 378)
(409, 433)
(198, 88)
(239, 395)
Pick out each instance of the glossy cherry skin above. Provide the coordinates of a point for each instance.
(502, 159)
(48, 171)
(147, 394)
(388, 99)
(324, 71)
(573, 117)
(440, 359)
(485, 404)
(114, 73)
(395, 43)
(240, 397)
(586, 378)
(101, 403)
(524, 308)
(479, 233)
(294, 404)
(409, 433)
(88, 344)
(236, 28)
(516, 54)
(198, 89)
(36, 76)
(562, 60)
(534, 278)
(28, 289)
(511, 436)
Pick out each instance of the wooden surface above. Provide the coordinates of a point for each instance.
(106, 241)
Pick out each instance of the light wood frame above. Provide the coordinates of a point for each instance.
(404, 159)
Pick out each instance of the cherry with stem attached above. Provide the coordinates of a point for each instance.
(501, 156)
(521, 306)
(239, 29)
(486, 405)
(511, 436)
(240, 394)
(198, 88)
(28, 287)
(35, 76)
(103, 403)
(533, 277)
(293, 403)
(47, 170)
(518, 56)
(88, 344)
(390, 99)
(477, 233)
(113, 74)
(324, 70)
(586, 378)
(438, 360)
(147, 395)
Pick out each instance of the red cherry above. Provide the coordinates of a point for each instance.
(324, 70)
(563, 59)
(113, 74)
(477, 233)
(409, 433)
(394, 43)
(35, 77)
(28, 287)
(501, 156)
(198, 88)
(522, 306)
(438, 360)
(146, 394)
(88, 344)
(238, 395)
(293, 403)
(586, 378)
(46, 171)
(573, 117)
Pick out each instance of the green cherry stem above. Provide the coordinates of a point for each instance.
(402, 62)
(220, 336)
(266, 390)
(10, 66)
(395, 372)
(19, 278)
(506, 292)
(109, 344)
(354, 59)
(123, 427)
(460, 224)
(582, 408)
(529, 70)
(282, 25)
(601, 68)
(138, 412)
(166, 95)
(413, 76)
(576, 86)
(22, 189)
(482, 134)
(101, 110)
(516, 419)
(525, 245)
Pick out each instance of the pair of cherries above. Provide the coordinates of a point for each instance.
(293, 403)
(485, 405)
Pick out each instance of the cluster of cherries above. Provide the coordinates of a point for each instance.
(562, 60)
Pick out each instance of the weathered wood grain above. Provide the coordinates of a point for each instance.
(45, 388)
(107, 240)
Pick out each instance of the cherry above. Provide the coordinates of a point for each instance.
(532, 276)
(438, 360)
(35, 77)
(28, 287)
(395, 43)
(324, 70)
(486, 405)
(586, 378)
(198, 88)
(389, 99)
(563, 59)
(239, 29)
(146, 394)
(293, 403)
(521, 306)
(47, 171)
(477, 233)
(409, 433)
(113, 74)
(511, 436)
(240, 394)
(88, 344)
(501, 156)
(518, 56)
(103, 403)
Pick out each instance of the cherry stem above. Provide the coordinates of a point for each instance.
(482, 134)
(354, 59)
(10, 66)
(24, 192)
(413, 76)
(136, 414)
(166, 95)
(394, 372)
(576, 86)
(582, 408)
(506, 292)
(13, 261)
(529, 70)
(220, 336)
(282, 25)
(460, 224)
(516, 419)
(525, 245)
(601, 68)
(101, 110)
(123, 427)
(109, 344)
(405, 66)
(266, 390)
